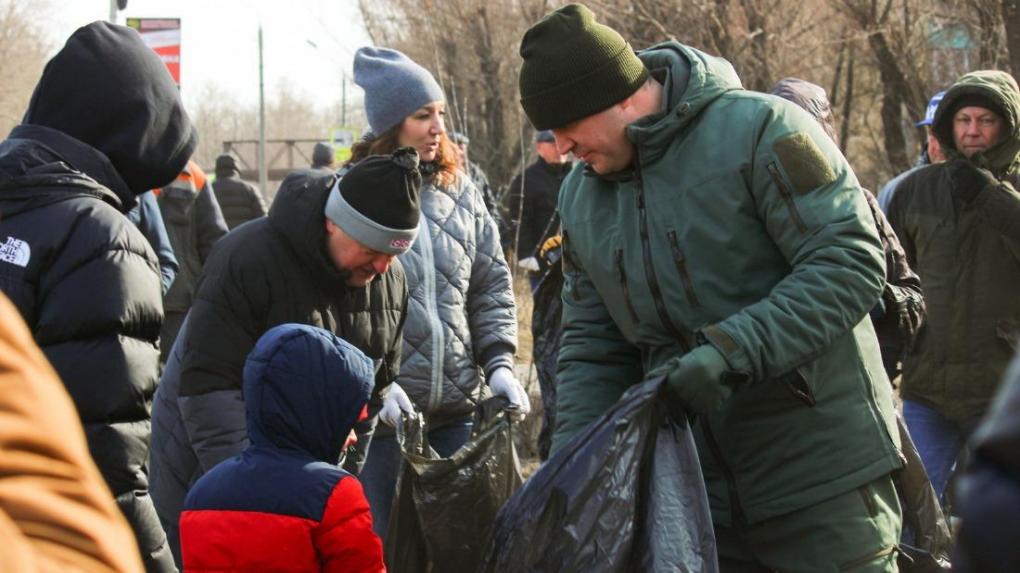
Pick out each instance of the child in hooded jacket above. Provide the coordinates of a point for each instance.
(284, 504)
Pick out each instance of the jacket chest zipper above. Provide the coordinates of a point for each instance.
(736, 508)
(622, 274)
(681, 267)
(653, 284)
(432, 310)
(787, 196)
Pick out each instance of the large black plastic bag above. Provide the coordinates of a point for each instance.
(444, 507)
(625, 494)
(926, 541)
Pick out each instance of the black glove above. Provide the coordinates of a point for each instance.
(904, 313)
(968, 179)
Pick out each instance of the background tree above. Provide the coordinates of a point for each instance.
(881, 60)
(23, 52)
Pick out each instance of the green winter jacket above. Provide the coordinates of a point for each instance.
(741, 225)
(968, 258)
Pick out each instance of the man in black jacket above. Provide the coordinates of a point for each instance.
(325, 256)
(104, 124)
(532, 218)
(239, 200)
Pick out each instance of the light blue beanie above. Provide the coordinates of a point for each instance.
(394, 86)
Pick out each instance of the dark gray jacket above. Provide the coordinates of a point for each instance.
(239, 200)
(195, 222)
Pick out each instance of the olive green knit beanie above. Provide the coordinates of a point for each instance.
(575, 67)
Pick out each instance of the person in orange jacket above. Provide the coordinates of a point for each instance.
(56, 514)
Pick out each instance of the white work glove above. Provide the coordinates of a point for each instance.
(394, 404)
(529, 264)
(503, 383)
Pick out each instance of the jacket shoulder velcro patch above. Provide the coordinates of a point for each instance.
(805, 165)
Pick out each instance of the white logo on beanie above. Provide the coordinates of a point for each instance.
(402, 244)
(16, 252)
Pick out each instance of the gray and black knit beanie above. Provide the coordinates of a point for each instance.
(376, 201)
(575, 67)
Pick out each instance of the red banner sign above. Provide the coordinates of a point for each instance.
(163, 35)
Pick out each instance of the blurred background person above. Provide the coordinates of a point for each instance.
(239, 200)
(531, 203)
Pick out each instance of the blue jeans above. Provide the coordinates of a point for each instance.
(938, 441)
(379, 475)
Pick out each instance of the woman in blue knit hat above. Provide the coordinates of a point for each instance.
(461, 329)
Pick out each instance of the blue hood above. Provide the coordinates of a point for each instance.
(304, 389)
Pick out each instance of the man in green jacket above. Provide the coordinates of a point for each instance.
(959, 222)
(719, 236)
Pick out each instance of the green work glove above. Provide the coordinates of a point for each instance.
(698, 382)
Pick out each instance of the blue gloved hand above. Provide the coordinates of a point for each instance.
(698, 382)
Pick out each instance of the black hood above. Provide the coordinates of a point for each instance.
(107, 89)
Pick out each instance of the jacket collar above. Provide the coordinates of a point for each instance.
(82, 157)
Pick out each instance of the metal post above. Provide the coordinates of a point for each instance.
(263, 169)
(113, 11)
(343, 99)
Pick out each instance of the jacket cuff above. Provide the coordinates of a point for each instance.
(501, 359)
(728, 347)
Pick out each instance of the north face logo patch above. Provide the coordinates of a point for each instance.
(16, 252)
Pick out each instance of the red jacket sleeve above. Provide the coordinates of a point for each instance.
(345, 539)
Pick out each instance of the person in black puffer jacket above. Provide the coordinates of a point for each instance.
(239, 200)
(325, 257)
(104, 124)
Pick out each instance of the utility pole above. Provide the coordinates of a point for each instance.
(263, 169)
(114, 6)
(343, 99)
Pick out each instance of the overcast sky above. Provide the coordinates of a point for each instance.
(219, 41)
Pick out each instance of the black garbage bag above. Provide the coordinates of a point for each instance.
(625, 494)
(926, 540)
(546, 330)
(444, 507)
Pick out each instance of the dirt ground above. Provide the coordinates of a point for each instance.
(527, 438)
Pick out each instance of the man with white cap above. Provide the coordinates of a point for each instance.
(324, 256)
